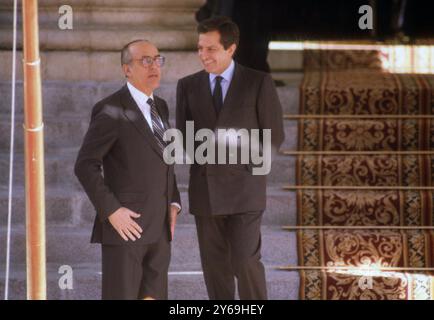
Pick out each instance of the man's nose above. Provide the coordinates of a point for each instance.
(153, 65)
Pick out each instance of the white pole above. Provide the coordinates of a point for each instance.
(11, 154)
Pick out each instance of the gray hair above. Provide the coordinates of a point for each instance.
(125, 52)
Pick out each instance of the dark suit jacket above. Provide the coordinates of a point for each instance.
(251, 103)
(120, 142)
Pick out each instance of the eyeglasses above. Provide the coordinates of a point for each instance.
(147, 61)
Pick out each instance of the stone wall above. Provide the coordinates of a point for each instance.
(90, 51)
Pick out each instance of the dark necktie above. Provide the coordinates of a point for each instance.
(217, 96)
(156, 125)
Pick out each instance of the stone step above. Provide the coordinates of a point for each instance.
(281, 285)
(70, 246)
(96, 10)
(71, 207)
(59, 169)
(68, 132)
(76, 98)
(104, 65)
(96, 65)
(88, 38)
(58, 133)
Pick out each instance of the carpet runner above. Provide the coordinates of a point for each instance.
(383, 189)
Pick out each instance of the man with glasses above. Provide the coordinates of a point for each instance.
(120, 166)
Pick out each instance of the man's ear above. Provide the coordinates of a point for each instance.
(126, 70)
(232, 48)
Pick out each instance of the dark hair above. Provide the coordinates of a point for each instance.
(229, 32)
(125, 52)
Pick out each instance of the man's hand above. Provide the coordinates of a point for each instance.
(173, 215)
(122, 221)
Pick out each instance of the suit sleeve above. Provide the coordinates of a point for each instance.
(99, 139)
(176, 199)
(270, 112)
(182, 111)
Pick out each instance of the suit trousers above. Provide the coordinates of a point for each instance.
(135, 271)
(230, 247)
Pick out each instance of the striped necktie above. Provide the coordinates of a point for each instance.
(157, 125)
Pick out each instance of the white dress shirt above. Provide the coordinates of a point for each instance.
(225, 82)
(141, 100)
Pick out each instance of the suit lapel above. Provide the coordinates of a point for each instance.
(233, 97)
(135, 116)
(161, 112)
(205, 103)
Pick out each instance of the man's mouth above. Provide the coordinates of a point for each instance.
(207, 62)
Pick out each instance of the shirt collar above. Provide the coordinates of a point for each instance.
(227, 74)
(138, 95)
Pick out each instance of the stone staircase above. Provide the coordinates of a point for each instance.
(67, 106)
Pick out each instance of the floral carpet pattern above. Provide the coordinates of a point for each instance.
(358, 222)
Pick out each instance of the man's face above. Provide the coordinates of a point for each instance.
(212, 54)
(145, 78)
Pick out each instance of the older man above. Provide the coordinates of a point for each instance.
(134, 192)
